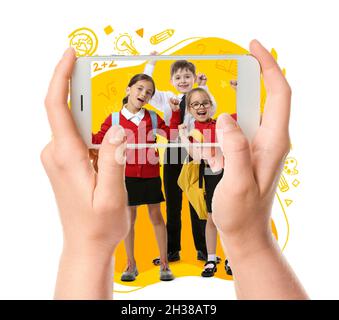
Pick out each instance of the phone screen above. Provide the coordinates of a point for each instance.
(110, 81)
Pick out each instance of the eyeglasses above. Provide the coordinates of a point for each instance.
(196, 105)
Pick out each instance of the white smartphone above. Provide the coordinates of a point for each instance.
(99, 84)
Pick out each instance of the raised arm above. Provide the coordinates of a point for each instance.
(170, 132)
(202, 83)
(160, 98)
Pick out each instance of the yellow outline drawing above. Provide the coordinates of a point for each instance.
(85, 37)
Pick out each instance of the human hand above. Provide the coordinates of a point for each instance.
(174, 104)
(234, 84)
(153, 62)
(201, 79)
(243, 198)
(182, 130)
(92, 207)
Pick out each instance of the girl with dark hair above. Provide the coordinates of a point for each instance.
(142, 177)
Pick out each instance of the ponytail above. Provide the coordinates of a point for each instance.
(124, 100)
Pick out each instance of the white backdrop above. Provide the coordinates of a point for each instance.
(33, 38)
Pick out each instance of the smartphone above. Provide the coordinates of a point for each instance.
(99, 84)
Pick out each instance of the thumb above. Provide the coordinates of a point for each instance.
(234, 146)
(111, 167)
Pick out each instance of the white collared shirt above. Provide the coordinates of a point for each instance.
(160, 101)
(134, 117)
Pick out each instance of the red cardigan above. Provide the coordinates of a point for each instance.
(141, 163)
(208, 128)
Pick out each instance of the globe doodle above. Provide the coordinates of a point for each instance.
(84, 41)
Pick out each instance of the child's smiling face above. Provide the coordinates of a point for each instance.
(183, 80)
(200, 106)
(140, 93)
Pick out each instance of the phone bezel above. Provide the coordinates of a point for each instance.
(247, 96)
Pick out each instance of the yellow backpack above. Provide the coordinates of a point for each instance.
(191, 181)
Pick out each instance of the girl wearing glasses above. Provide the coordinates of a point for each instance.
(199, 104)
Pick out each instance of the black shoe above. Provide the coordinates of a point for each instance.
(203, 257)
(171, 256)
(228, 268)
(210, 269)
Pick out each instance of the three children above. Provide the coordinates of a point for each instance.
(192, 108)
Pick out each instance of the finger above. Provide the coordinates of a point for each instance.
(235, 148)
(59, 115)
(278, 101)
(111, 167)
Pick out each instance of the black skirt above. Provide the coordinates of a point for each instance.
(144, 191)
(211, 181)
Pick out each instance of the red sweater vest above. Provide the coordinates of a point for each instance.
(141, 163)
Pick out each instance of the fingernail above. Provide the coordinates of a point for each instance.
(227, 122)
(116, 135)
(256, 41)
(67, 51)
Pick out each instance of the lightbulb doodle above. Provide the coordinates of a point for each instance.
(145, 247)
(84, 41)
(124, 44)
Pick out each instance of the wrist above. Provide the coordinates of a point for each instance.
(88, 249)
(85, 273)
(77, 259)
(243, 246)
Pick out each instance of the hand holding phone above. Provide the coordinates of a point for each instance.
(85, 270)
(92, 206)
(242, 201)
